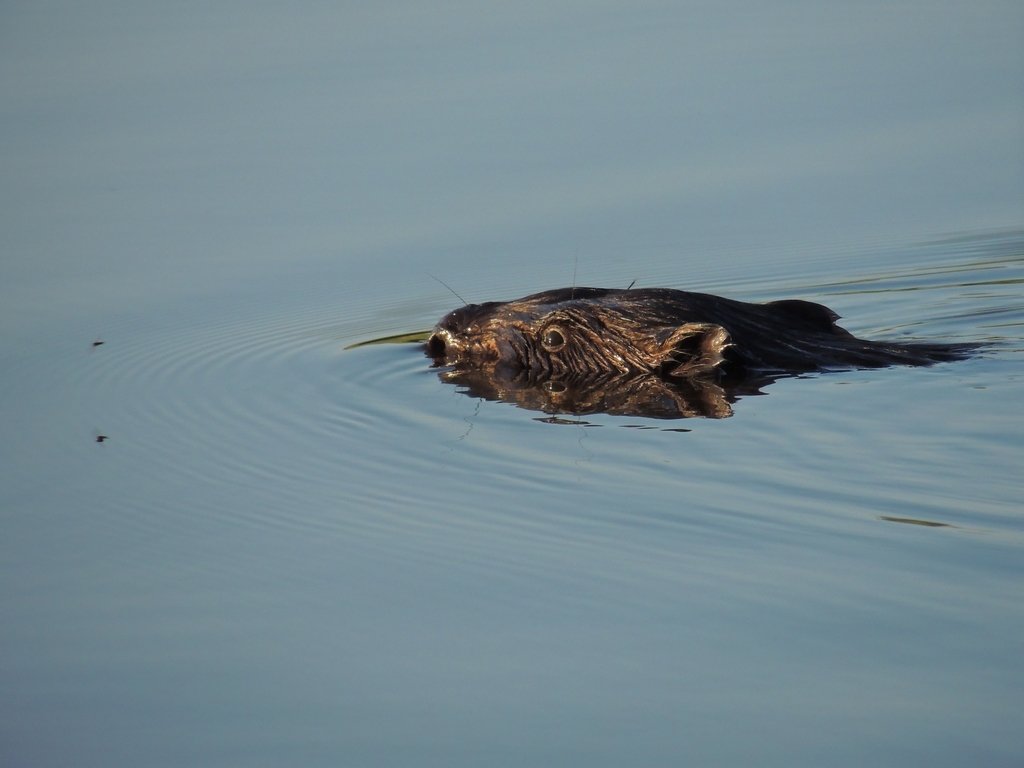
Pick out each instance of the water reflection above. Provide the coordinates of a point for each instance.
(643, 395)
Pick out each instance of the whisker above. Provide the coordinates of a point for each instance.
(442, 282)
(575, 263)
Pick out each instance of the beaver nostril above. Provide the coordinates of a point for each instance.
(436, 346)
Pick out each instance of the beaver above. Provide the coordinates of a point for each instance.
(584, 334)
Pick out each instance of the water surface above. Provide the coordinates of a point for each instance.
(284, 551)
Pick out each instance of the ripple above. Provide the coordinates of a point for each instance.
(264, 422)
(226, 407)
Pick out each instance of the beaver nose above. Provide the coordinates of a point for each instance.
(436, 344)
(442, 343)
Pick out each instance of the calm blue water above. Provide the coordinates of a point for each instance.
(286, 552)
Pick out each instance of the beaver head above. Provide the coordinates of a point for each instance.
(581, 332)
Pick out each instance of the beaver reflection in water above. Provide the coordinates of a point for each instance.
(585, 344)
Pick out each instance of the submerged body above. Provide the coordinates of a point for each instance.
(584, 333)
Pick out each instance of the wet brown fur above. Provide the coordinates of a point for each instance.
(585, 333)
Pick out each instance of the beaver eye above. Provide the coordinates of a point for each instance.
(552, 339)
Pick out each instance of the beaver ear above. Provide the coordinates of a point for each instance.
(815, 316)
(693, 349)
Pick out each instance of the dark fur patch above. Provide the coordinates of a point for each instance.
(668, 333)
